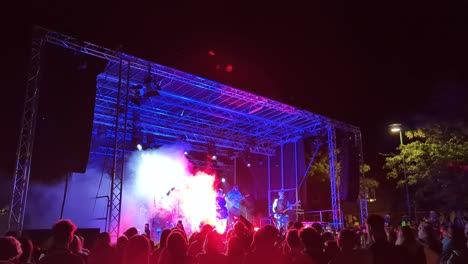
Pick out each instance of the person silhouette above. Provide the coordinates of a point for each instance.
(233, 199)
(280, 205)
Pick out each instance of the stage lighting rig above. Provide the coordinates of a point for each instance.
(135, 100)
(211, 151)
(149, 88)
(152, 85)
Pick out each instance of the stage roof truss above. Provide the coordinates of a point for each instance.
(204, 114)
(226, 111)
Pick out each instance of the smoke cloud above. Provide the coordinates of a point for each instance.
(159, 189)
(162, 190)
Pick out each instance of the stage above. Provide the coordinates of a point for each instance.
(158, 133)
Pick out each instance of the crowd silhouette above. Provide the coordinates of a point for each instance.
(378, 242)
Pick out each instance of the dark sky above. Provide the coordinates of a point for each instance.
(367, 63)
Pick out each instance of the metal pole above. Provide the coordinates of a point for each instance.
(235, 170)
(269, 187)
(296, 170)
(310, 165)
(408, 204)
(65, 191)
(282, 166)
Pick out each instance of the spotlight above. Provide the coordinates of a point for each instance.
(185, 153)
(248, 164)
(223, 180)
(151, 85)
(211, 152)
(158, 86)
(139, 147)
(148, 82)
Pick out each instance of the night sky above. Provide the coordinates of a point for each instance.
(362, 62)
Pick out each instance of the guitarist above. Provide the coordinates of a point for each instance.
(233, 199)
(280, 205)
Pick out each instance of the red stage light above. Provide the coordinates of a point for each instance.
(229, 68)
(211, 53)
(256, 229)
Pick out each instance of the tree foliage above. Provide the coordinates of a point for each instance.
(436, 161)
(368, 185)
(320, 168)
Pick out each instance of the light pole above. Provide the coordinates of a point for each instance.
(397, 128)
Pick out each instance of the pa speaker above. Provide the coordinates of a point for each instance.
(350, 171)
(65, 113)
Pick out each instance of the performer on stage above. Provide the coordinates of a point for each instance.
(233, 199)
(221, 211)
(280, 205)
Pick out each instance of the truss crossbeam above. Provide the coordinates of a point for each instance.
(188, 136)
(158, 111)
(220, 111)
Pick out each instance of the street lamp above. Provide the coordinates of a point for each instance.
(396, 128)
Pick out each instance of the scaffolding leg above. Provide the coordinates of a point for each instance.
(118, 167)
(336, 212)
(363, 189)
(26, 140)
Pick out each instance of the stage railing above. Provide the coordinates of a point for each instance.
(322, 216)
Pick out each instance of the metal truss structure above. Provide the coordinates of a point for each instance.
(334, 190)
(363, 188)
(188, 108)
(26, 139)
(118, 162)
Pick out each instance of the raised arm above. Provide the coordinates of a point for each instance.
(275, 205)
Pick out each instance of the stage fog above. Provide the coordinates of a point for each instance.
(160, 188)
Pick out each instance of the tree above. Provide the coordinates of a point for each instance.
(320, 168)
(436, 164)
(320, 171)
(368, 185)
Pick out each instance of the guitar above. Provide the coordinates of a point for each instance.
(230, 203)
(280, 215)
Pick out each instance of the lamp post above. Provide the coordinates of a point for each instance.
(394, 128)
